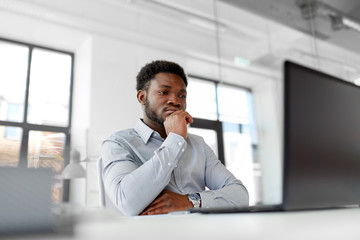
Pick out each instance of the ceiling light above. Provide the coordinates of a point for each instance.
(351, 23)
(242, 62)
(208, 25)
(195, 17)
(357, 81)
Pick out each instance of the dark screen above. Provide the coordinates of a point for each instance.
(321, 140)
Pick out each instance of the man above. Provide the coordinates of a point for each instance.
(158, 167)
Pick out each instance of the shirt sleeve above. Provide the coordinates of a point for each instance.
(224, 188)
(132, 187)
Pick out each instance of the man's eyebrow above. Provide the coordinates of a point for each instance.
(169, 87)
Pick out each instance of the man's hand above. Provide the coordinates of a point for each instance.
(167, 202)
(176, 123)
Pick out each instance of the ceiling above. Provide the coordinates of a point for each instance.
(288, 13)
(262, 33)
(267, 32)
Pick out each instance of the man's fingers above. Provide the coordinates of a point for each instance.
(176, 123)
(189, 119)
(160, 201)
(160, 197)
(185, 115)
(159, 208)
(157, 205)
(167, 202)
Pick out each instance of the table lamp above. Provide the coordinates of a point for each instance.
(74, 169)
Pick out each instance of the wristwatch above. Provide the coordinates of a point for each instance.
(195, 199)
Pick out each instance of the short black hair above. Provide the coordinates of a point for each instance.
(148, 72)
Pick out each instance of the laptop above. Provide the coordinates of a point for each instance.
(321, 158)
(25, 200)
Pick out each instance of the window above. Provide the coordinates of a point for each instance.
(35, 108)
(223, 115)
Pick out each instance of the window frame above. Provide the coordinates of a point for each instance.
(217, 125)
(27, 127)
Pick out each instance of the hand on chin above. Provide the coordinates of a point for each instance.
(176, 122)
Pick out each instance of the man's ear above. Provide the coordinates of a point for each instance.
(141, 96)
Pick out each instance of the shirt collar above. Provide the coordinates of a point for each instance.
(143, 130)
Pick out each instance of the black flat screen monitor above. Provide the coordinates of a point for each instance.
(321, 140)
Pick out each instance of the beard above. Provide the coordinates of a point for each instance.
(151, 114)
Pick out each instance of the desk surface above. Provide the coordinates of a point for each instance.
(320, 224)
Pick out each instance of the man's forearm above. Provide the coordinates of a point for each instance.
(232, 195)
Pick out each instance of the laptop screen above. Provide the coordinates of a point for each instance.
(25, 200)
(321, 140)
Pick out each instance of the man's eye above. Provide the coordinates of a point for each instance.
(163, 92)
(183, 96)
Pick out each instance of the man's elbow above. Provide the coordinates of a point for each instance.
(245, 196)
(127, 206)
(129, 212)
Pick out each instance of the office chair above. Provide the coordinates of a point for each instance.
(104, 201)
(100, 183)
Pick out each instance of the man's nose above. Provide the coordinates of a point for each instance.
(174, 100)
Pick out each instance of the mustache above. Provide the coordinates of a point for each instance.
(171, 109)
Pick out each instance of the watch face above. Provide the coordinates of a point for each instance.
(194, 197)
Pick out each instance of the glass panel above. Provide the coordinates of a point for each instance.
(201, 99)
(209, 136)
(49, 88)
(239, 160)
(10, 142)
(13, 65)
(233, 104)
(46, 150)
(250, 127)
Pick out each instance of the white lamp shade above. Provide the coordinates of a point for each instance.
(74, 169)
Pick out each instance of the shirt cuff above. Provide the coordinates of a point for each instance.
(174, 140)
(206, 199)
(171, 150)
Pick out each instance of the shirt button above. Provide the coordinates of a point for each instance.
(182, 150)
(179, 143)
(169, 164)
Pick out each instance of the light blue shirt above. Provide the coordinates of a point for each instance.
(138, 164)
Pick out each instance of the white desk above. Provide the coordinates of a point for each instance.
(339, 224)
